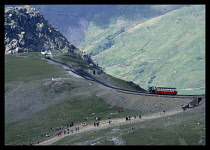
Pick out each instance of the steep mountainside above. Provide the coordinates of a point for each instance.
(73, 20)
(26, 30)
(168, 50)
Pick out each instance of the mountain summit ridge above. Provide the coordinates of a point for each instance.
(26, 30)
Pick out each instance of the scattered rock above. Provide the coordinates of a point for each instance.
(26, 30)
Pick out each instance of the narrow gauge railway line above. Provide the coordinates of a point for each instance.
(145, 93)
(87, 76)
(158, 95)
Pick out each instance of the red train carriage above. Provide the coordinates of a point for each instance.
(162, 90)
(47, 56)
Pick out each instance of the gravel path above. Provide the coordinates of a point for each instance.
(105, 124)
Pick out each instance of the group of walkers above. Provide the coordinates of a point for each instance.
(70, 125)
(71, 130)
(96, 123)
(67, 131)
(129, 118)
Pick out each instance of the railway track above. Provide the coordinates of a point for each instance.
(87, 76)
(157, 95)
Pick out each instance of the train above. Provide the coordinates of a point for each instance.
(162, 90)
(47, 56)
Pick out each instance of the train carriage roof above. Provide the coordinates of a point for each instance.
(165, 87)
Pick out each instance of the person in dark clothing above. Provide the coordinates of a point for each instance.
(129, 118)
(126, 118)
(139, 116)
(164, 112)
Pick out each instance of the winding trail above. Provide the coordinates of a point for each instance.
(105, 124)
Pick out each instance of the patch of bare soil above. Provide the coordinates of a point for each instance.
(141, 102)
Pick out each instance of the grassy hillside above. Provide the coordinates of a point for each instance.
(34, 104)
(168, 50)
(187, 128)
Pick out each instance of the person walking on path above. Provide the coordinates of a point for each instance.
(164, 112)
(139, 116)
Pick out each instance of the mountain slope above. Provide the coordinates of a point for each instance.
(74, 20)
(167, 50)
(26, 30)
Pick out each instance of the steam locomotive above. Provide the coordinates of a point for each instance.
(162, 90)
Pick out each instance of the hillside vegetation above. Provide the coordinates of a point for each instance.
(167, 50)
(34, 103)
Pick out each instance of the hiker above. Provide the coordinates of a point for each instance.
(183, 107)
(110, 121)
(164, 112)
(139, 116)
(129, 118)
(94, 124)
(134, 117)
(118, 111)
(64, 131)
(97, 123)
(126, 118)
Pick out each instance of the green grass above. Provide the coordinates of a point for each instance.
(180, 129)
(171, 43)
(73, 109)
(72, 60)
(26, 69)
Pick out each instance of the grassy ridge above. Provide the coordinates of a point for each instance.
(29, 69)
(170, 49)
(33, 71)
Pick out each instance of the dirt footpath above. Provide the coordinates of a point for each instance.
(105, 124)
